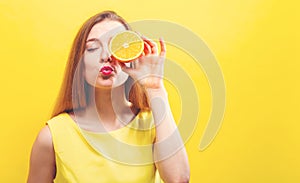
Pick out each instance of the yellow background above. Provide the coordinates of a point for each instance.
(257, 46)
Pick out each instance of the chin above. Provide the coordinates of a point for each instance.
(104, 85)
(107, 85)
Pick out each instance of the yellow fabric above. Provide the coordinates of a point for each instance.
(79, 160)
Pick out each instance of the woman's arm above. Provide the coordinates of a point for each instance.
(42, 159)
(169, 152)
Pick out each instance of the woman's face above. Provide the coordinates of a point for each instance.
(101, 70)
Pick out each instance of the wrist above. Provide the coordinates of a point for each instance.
(157, 92)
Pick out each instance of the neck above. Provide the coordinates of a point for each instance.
(108, 101)
(110, 106)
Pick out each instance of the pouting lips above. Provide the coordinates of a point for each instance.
(106, 70)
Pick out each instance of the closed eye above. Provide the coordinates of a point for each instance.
(92, 49)
(93, 45)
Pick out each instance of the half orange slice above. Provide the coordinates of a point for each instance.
(126, 46)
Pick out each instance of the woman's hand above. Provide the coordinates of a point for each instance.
(148, 69)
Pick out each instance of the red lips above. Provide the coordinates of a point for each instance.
(106, 70)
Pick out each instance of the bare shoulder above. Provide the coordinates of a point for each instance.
(42, 148)
(44, 138)
(42, 159)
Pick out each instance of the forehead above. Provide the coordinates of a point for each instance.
(105, 29)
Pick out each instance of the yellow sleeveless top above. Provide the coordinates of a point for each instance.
(120, 156)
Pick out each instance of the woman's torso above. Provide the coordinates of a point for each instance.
(123, 155)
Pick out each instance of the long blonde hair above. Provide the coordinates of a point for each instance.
(68, 99)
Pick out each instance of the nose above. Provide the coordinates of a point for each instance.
(105, 55)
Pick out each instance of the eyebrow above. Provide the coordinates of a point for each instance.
(97, 40)
(93, 39)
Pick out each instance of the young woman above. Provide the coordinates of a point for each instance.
(101, 96)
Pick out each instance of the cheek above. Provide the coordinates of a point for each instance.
(121, 75)
(92, 67)
(91, 59)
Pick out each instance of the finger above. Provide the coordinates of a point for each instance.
(135, 64)
(147, 48)
(163, 49)
(152, 44)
